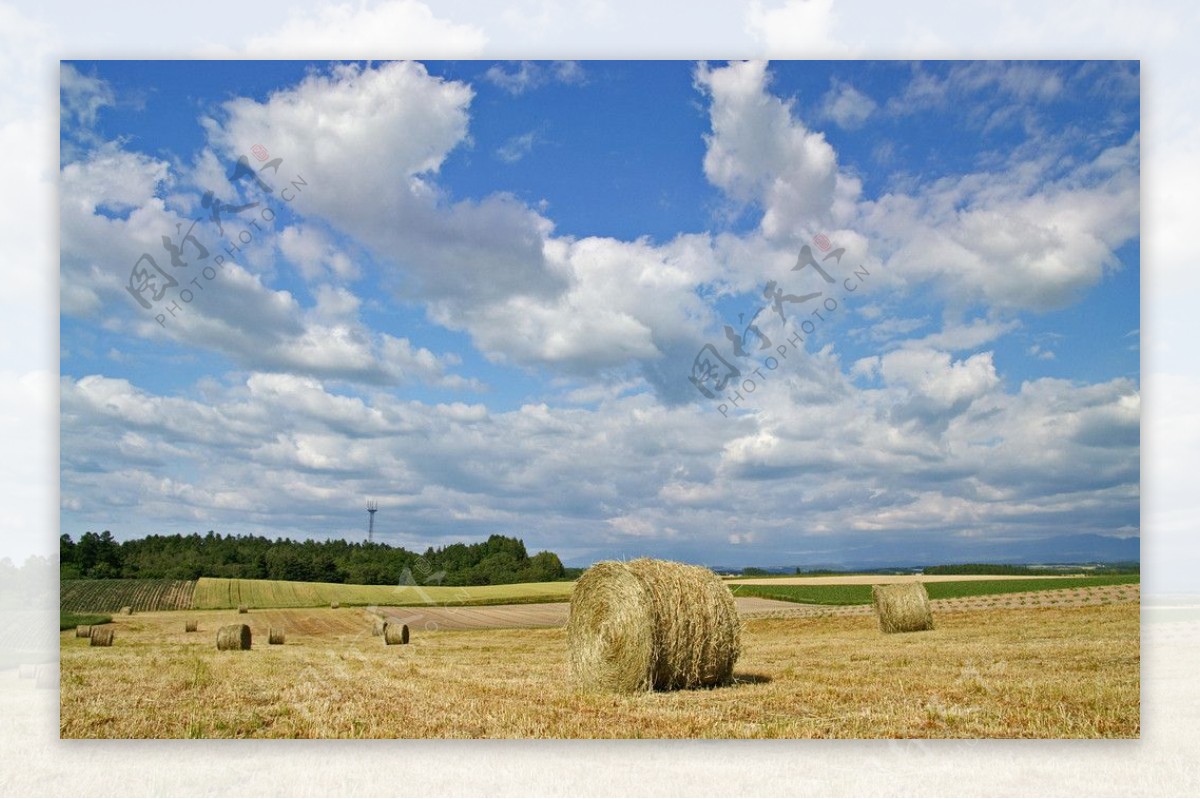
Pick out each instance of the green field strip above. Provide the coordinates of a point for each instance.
(861, 594)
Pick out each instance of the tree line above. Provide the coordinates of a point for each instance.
(499, 560)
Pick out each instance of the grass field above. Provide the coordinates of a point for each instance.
(214, 593)
(1013, 673)
(69, 621)
(109, 596)
(860, 594)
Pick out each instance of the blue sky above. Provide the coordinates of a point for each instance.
(483, 306)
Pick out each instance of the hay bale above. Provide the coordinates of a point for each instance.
(101, 636)
(47, 677)
(191, 626)
(83, 631)
(26, 671)
(902, 607)
(275, 636)
(243, 609)
(233, 636)
(126, 611)
(651, 624)
(395, 634)
(334, 605)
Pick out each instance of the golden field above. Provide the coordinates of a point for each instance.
(1015, 672)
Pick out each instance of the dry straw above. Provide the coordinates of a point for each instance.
(191, 626)
(243, 609)
(101, 636)
(334, 605)
(126, 611)
(275, 636)
(902, 607)
(651, 624)
(83, 631)
(234, 636)
(395, 633)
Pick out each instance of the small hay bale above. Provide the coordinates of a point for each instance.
(233, 636)
(101, 636)
(243, 609)
(83, 631)
(395, 634)
(275, 636)
(126, 611)
(47, 677)
(334, 605)
(191, 625)
(26, 671)
(651, 624)
(902, 607)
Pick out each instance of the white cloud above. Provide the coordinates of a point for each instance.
(846, 106)
(795, 29)
(384, 29)
(528, 75)
(516, 147)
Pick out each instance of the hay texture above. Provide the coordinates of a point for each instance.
(651, 624)
(395, 633)
(83, 631)
(243, 609)
(191, 626)
(234, 636)
(902, 607)
(276, 636)
(335, 605)
(101, 636)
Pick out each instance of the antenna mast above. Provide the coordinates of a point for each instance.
(372, 508)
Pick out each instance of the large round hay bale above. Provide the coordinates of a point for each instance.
(395, 634)
(651, 624)
(83, 631)
(275, 636)
(191, 626)
(101, 636)
(234, 636)
(243, 609)
(334, 605)
(902, 607)
(126, 611)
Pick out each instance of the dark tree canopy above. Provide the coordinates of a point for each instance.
(500, 559)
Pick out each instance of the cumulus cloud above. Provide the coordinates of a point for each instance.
(384, 29)
(846, 106)
(527, 75)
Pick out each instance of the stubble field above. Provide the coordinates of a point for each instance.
(1061, 670)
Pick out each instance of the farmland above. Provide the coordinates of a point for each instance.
(1021, 672)
(106, 596)
(213, 594)
(859, 593)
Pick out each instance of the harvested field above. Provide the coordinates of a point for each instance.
(1024, 672)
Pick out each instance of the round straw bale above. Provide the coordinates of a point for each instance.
(275, 635)
(651, 624)
(234, 636)
(83, 631)
(334, 605)
(127, 611)
(101, 636)
(27, 671)
(902, 607)
(243, 609)
(395, 634)
(47, 676)
(191, 625)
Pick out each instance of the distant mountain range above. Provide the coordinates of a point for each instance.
(1056, 549)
